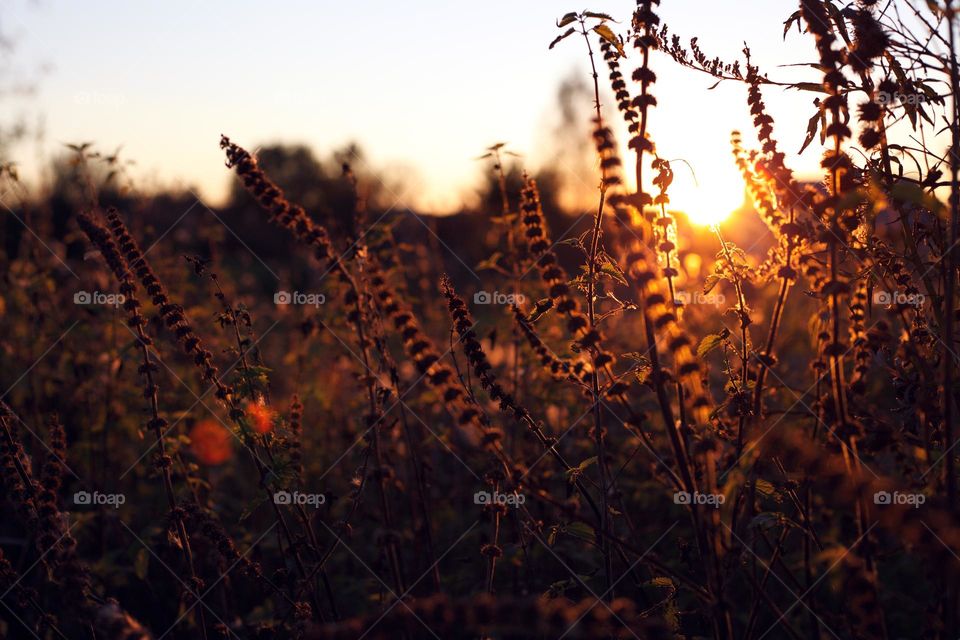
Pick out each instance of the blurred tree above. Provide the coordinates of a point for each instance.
(318, 185)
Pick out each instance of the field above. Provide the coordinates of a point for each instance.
(308, 414)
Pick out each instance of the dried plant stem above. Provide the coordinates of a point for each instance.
(383, 351)
(595, 384)
(744, 317)
(591, 319)
(166, 463)
(775, 318)
(100, 236)
(495, 540)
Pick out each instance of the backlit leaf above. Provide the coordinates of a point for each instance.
(607, 34)
(708, 344)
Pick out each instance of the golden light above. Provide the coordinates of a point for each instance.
(711, 198)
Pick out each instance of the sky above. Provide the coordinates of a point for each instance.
(423, 87)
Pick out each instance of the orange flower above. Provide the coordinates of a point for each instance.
(261, 417)
(210, 442)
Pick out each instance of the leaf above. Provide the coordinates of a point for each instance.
(573, 474)
(896, 68)
(839, 21)
(543, 305)
(915, 194)
(558, 588)
(491, 262)
(607, 34)
(614, 272)
(598, 15)
(661, 581)
(711, 282)
(561, 37)
(765, 487)
(566, 19)
(642, 373)
(809, 86)
(794, 17)
(586, 463)
(812, 125)
(709, 343)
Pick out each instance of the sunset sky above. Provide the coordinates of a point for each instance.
(424, 87)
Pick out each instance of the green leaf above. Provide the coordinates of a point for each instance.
(709, 343)
(915, 194)
(614, 272)
(557, 40)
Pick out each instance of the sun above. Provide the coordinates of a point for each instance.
(709, 200)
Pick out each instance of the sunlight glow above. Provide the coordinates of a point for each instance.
(711, 199)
